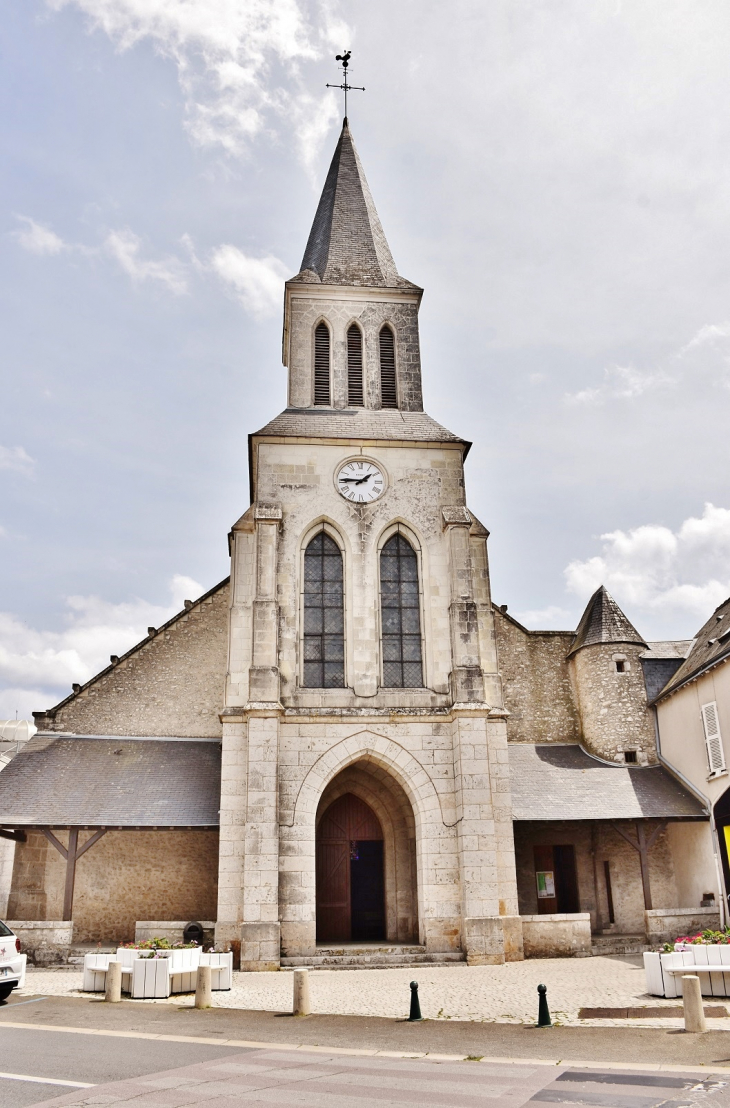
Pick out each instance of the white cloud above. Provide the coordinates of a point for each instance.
(238, 61)
(125, 247)
(670, 573)
(50, 661)
(543, 618)
(621, 383)
(17, 460)
(705, 358)
(256, 282)
(38, 238)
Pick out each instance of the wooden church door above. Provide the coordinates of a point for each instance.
(350, 878)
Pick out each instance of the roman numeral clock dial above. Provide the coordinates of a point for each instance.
(360, 482)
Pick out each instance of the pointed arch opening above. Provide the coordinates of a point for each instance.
(322, 364)
(323, 639)
(388, 388)
(355, 391)
(366, 874)
(400, 615)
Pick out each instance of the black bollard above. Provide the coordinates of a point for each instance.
(415, 1005)
(543, 1012)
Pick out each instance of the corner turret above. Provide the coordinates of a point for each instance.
(604, 661)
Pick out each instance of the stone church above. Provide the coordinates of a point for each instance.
(345, 750)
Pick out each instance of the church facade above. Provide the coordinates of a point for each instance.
(347, 742)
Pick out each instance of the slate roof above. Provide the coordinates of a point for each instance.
(62, 780)
(712, 645)
(604, 622)
(357, 423)
(347, 244)
(562, 782)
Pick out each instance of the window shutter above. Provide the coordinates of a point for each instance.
(354, 367)
(322, 364)
(388, 389)
(713, 739)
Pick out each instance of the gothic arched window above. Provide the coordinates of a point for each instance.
(400, 615)
(322, 364)
(388, 391)
(324, 631)
(354, 367)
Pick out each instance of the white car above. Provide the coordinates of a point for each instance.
(12, 962)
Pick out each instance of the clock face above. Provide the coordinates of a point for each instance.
(360, 482)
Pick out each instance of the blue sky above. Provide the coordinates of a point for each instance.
(555, 175)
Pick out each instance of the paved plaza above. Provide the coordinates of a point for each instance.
(505, 994)
(278, 1078)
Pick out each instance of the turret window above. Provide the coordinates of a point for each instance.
(400, 615)
(388, 390)
(324, 617)
(354, 367)
(322, 364)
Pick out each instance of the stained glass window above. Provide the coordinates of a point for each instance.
(400, 614)
(324, 638)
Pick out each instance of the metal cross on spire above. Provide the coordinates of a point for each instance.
(345, 86)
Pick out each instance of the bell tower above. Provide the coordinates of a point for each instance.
(362, 670)
(348, 277)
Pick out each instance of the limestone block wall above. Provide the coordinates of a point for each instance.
(462, 853)
(536, 683)
(171, 684)
(557, 936)
(126, 876)
(371, 311)
(614, 713)
(299, 479)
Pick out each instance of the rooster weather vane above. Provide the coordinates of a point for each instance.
(345, 86)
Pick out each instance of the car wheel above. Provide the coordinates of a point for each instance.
(5, 991)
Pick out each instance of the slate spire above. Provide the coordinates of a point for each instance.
(604, 622)
(347, 245)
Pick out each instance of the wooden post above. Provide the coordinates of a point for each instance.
(644, 863)
(68, 893)
(72, 855)
(642, 846)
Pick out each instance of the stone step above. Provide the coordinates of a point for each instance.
(619, 944)
(372, 959)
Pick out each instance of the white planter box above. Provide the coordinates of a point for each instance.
(221, 969)
(178, 975)
(710, 963)
(150, 978)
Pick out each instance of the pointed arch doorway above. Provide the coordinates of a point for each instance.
(350, 873)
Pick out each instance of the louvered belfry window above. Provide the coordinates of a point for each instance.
(324, 630)
(354, 367)
(388, 392)
(400, 615)
(713, 739)
(322, 364)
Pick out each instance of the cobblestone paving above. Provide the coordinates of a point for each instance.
(506, 994)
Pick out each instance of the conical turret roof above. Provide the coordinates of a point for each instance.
(604, 622)
(347, 245)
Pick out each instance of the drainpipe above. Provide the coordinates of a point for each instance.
(722, 892)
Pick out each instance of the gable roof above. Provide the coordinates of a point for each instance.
(563, 782)
(711, 646)
(61, 780)
(347, 244)
(604, 622)
(358, 423)
(152, 633)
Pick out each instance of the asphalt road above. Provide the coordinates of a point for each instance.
(63, 1057)
(94, 1044)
